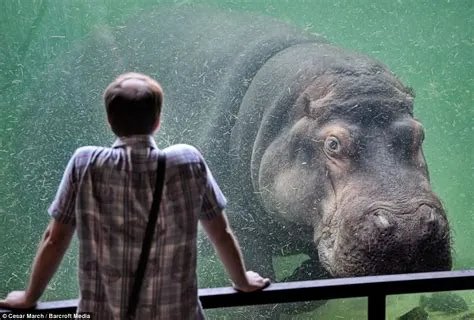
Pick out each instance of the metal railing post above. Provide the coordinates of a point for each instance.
(376, 307)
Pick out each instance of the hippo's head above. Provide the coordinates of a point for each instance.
(349, 163)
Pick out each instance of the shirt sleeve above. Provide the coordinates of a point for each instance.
(63, 205)
(214, 200)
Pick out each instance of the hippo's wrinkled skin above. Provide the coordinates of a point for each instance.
(335, 148)
(315, 147)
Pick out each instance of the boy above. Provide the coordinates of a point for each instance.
(106, 194)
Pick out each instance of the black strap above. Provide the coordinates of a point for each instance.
(150, 229)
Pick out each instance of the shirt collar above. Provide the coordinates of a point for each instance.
(135, 141)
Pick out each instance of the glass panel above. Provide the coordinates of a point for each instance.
(439, 305)
(348, 309)
(57, 57)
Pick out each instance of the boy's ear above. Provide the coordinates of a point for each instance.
(156, 126)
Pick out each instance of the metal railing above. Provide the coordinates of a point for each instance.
(375, 288)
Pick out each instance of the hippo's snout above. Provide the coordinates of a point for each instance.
(424, 222)
(383, 240)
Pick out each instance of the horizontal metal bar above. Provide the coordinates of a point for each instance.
(318, 290)
(340, 288)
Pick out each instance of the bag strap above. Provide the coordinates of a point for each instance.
(150, 229)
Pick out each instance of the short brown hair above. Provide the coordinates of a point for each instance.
(133, 104)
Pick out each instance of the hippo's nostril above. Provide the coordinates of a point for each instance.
(426, 210)
(429, 220)
(432, 217)
(427, 213)
(381, 221)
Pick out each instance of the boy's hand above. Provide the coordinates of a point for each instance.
(254, 282)
(17, 300)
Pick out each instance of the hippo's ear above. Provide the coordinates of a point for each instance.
(315, 106)
(306, 101)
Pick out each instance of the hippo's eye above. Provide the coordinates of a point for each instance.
(332, 144)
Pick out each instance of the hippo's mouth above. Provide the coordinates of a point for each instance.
(382, 242)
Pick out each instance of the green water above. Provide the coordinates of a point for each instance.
(429, 44)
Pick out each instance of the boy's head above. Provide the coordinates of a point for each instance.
(133, 104)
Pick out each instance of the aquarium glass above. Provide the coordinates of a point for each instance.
(428, 44)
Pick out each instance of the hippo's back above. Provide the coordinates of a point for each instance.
(205, 59)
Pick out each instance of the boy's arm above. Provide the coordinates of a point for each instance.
(228, 250)
(51, 250)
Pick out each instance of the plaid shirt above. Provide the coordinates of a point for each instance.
(107, 193)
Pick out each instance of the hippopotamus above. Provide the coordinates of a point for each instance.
(316, 147)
